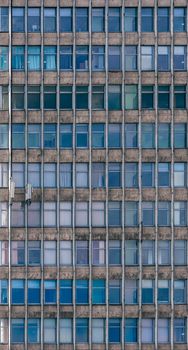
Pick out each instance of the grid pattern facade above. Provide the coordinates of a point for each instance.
(93, 114)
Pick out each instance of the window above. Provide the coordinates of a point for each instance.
(65, 175)
(33, 97)
(180, 175)
(147, 292)
(49, 292)
(147, 95)
(114, 213)
(180, 96)
(82, 135)
(34, 132)
(164, 213)
(163, 19)
(131, 252)
(148, 135)
(131, 331)
(114, 289)
(148, 252)
(3, 174)
(34, 215)
(65, 97)
(3, 214)
(131, 213)
(180, 55)
(164, 135)
(17, 215)
(179, 19)
(98, 253)
(17, 330)
(50, 253)
(50, 62)
(65, 252)
(98, 175)
(82, 253)
(147, 330)
(65, 20)
(49, 135)
(147, 24)
(114, 97)
(18, 57)
(17, 292)
(163, 330)
(4, 254)
(66, 331)
(82, 57)
(180, 334)
(97, 19)
(66, 59)
(147, 58)
(131, 97)
(65, 214)
(65, 291)
(81, 214)
(131, 19)
(131, 175)
(114, 135)
(33, 58)
(3, 331)
(164, 256)
(33, 19)
(180, 213)
(18, 97)
(130, 58)
(34, 174)
(33, 329)
(34, 252)
(114, 175)
(163, 96)
(98, 330)
(180, 252)
(3, 292)
(82, 97)
(180, 135)
(33, 289)
(82, 291)
(163, 174)
(114, 58)
(114, 252)
(3, 97)
(17, 253)
(65, 136)
(18, 136)
(98, 58)
(49, 174)
(148, 174)
(163, 58)
(82, 330)
(98, 291)
(98, 97)
(49, 97)
(82, 19)
(18, 174)
(131, 136)
(98, 214)
(114, 330)
(98, 140)
(163, 292)
(49, 20)
(4, 58)
(49, 330)
(131, 292)
(4, 21)
(18, 19)
(148, 213)
(179, 291)
(49, 214)
(114, 19)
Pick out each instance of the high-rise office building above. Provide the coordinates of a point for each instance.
(93, 174)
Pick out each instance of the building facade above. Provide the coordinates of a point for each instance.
(93, 116)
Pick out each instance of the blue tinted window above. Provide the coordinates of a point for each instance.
(33, 292)
(17, 291)
(98, 292)
(66, 291)
(82, 293)
(49, 136)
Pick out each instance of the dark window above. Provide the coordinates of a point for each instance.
(65, 291)
(82, 135)
(66, 57)
(18, 21)
(17, 295)
(33, 19)
(82, 97)
(114, 175)
(4, 20)
(163, 19)
(65, 20)
(82, 330)
(49, 97)
(49, 135)
(81, 19)
(33, 292)
(114, 97)
(49, 20)
(164, 96)
(18, 96)
(82, 291)
(147, 19)
(180, 96)
(97, 97)
(180, 19)
(82, 57)
(65, 136)
(114, 330)
(33, 97)
(147, 96)
(65, 97)
(114, 19)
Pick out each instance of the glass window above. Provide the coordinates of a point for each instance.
(180, 175)
(18, 57)
(98, 58)
(114, 290)
(65, 174)
(148, 252)
(180, 252)
(98, 97)
(180, 135)
(114, 213)
(180, 334)
(147, 292)
(49, 292)
(148, 135)
(98, 175)
(18, 97)
(82, 57)
(114, 252)
(18, 174)
(164, 256)
(49, 174)
(33, 97)
(4, 58)
(65, 20)
(180, 57)
(180, 292)
(3, 174)
(163, 330)
(164, 96)
(66, 335)
(4, 254)
(49, 214)
(65, 291)
(33, 329)
(65, 214)
(131, 213)
(33, 19)
(3, 292)
(49, 330)
(147, 330)
(98, 292)
(49, 20)
(82, 97)
(65, 136)
(98, 330)
(81, 214)
(147, 96)
(34, 214)
(50, 60)
(130, 58)
(49, 135)
(4, 331)
(17, 292)
(131, 331)
(18, 136)
(82, 22)
(65, 252)
(148, 213)
(131, 175)
(82, 135)
(65, 59)
(34, 174)
(98, 214)
(163, 58)
(98, 253)
(17, 253)
(97, 19)
(33, 290)
(164, 135)
(147, 24)
(131, 97)
(114, 330)
(114, 58)
(82, 330)
(180, 96)
(65, 97)
(164, 174)
(131, 252)
(131, 136)
(3, 214)
(148, 174)
(98, 140)
(114, 97)
(34, 135)
(3, 97)
(4, 19)
(18, 19)
(114, 175)
(131, 19)
(131, 291)
(50, 253)
(147, 58)
(179, 19)
(17, 330)
(163, 292)
(164, 210)
(50, 97)
(114, 19)
(82, 253)
(34, 252)
(33, 58)
(163, 19)
(17, 214)
(114, 135)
